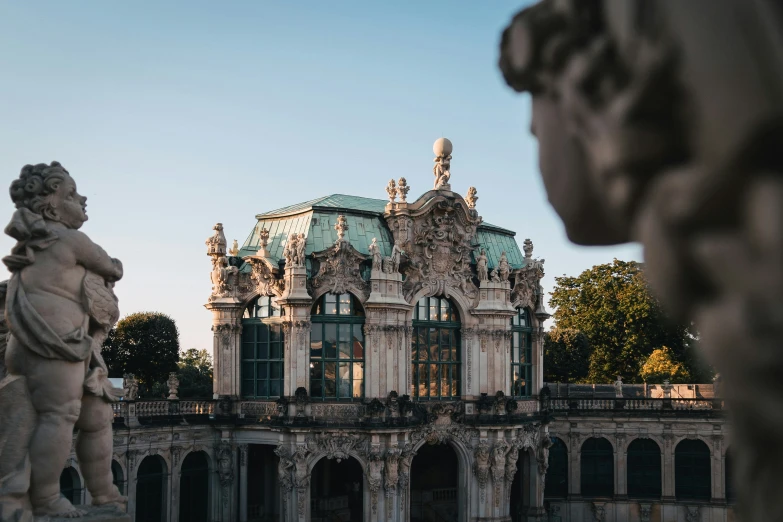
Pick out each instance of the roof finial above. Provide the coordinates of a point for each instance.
(442, 149)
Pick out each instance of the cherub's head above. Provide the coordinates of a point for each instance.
(48, 190)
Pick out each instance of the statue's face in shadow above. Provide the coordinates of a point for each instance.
(568, 181)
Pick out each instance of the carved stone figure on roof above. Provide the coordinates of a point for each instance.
(442, 150)
(493, 276)
(216, 244)
(301, 241)
(289, 251)
(339, 267)
(375, 252)
(396, 256)
(503, 267)
(221, 276)
(131, 386)
(472, 197)
(60, 306)
(481, 266)
(234, 249)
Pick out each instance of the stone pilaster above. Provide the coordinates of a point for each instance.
(668, 467)
(227, 339)
(297, 303)
(243, 501)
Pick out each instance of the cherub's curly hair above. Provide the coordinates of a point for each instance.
(36, 186)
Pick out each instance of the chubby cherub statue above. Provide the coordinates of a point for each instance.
(59, 307)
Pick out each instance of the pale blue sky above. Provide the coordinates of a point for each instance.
(172, 116)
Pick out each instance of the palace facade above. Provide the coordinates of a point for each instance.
(381, 360)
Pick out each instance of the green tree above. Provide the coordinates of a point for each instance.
(612, 306)
(145, 344)
(195, 374)
(661, 365)
(566, 356)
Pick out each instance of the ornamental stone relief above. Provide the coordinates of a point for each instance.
(527, 280)
(338, 411)
(439, 253)
(339, 267)
(336, 445)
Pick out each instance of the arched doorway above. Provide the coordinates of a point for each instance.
(519, 495)
(150, 484)
(194, 488)
(435, 484)
(118, 476)
(263, 490)
(71, 485)
(336, 491)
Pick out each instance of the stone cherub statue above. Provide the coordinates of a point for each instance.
(441, 170)
(60, 306)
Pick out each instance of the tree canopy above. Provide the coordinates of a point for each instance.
(195, 374)
(566, 356)
(623, 323)
(145, 344)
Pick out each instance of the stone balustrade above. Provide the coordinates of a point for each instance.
(642, 404)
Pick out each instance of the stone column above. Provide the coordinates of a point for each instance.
(227, 339)
(134, 459)
(243, 448)
(620, 468)
(297, 303)
(668, 468)
(718, 479)
(574, 467)
(175, 482)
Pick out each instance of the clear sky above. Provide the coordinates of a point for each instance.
(172, 116)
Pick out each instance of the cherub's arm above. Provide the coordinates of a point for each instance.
(93, 257)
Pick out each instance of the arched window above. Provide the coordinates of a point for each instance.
(194, 488)
(337, 348)
(71, 485)
(692, 470)
(150, 488)
(435, 350)
(521, 354)
(597, 468)
(556, 485)
(731, 494)
(644, 469)
(262, 349)
(117, 476)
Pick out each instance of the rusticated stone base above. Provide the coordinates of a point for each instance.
(94, 514)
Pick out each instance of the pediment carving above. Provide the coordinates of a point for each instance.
(263, 276)
(339, 268)
(439, 248)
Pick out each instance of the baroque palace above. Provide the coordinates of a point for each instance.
(381, 360)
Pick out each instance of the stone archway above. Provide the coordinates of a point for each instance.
(434, 486)
(337, 490)
(263, 486)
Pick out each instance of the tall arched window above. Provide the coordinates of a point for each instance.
(71, 485)
(262, 349)
(556, 485)
(337, 348)
(597, 468)
(521, 354)
(194, 488)
(435, 350)
(118, 476)
(644, 469)
(692, 470)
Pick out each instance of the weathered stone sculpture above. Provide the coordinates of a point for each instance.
(481, 266)
(59, 308)
(375, 252)
(442, 150)
(659, 125)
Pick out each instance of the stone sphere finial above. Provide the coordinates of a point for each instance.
(442, 147)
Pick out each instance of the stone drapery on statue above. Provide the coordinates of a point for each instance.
(639, 142)
(59, 308)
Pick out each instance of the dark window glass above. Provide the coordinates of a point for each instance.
(337, 348)
(556, 485)
(597, 468)
(692, 470)
(644, 469)
(263, 345)
(521, 354)
(435, 350)
(194, 488)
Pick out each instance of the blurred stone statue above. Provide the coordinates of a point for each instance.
(59, 307)
(658, 124)
(375, 252)
(481, 266)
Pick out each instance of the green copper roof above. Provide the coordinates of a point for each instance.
(316, 219)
